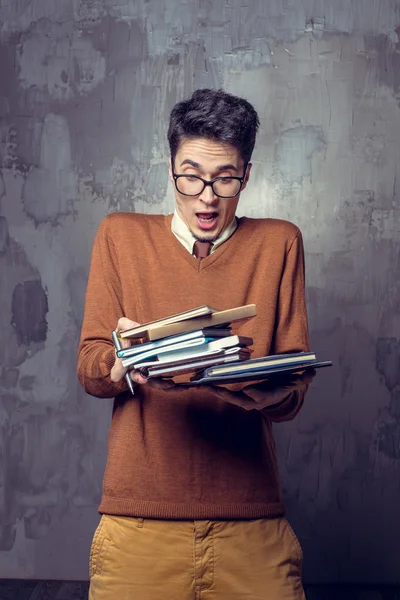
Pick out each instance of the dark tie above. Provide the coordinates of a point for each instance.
(201, 249)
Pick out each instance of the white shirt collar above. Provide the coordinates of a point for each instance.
(187, 239)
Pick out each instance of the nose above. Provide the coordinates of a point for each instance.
(207, 196)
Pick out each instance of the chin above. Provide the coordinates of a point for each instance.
(205, 236)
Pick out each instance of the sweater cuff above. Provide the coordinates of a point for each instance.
(108, 359)
(101, 385)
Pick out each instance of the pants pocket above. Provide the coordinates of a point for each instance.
(98, 551)
(295, 541)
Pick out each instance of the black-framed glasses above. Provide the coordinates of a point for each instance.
(223, 187)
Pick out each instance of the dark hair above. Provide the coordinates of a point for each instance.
(215, 115)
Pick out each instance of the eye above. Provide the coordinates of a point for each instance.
(226, 180)
(191, 178)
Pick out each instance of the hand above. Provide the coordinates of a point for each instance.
(118, 372)
(266, 394)
(164, 383)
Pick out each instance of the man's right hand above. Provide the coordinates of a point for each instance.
(118, 371)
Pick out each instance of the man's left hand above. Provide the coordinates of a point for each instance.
(266, 394)
(257, 396)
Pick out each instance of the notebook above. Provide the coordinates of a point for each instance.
(273, 360)
(235, 376)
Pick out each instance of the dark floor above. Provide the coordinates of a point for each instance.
(43, 590)
(71, 590)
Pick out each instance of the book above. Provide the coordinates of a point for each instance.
(265, 362)
(208, 333)
(203, 378)
(140, 330)
(214, 354)
(182, 367)
(187, 350)
(222, 318)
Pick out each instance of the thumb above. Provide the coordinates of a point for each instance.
(122, 325)
(125, 323)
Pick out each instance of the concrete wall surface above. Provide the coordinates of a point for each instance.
(86, 87)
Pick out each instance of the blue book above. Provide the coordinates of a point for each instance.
(208, 333)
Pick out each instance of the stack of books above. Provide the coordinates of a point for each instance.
(200, 341)
(187, 342)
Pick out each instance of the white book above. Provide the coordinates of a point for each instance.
(159, 352)
(215, 346)
(173, 340)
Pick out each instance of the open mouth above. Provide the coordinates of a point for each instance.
(207, 220)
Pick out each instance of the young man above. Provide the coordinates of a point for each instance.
(192, 505)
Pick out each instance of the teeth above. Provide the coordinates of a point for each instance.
(206, 219)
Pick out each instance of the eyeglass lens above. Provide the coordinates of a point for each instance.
(193, 186)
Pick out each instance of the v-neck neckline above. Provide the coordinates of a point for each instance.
(199, 264)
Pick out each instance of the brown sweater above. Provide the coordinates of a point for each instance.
(191, 456)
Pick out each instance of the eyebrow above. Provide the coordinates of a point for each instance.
(196, 165)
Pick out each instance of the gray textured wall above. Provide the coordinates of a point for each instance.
(85, 91)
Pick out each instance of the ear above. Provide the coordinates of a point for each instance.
(170, 170)
(247, 176)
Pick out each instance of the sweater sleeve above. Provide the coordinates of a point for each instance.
(103, 308)
(291, 327)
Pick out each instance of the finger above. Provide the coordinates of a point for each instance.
(125, 323)
(167, 385)
(280, 385)
(161, 384)
(122, 325)
(308, 376)
(137, 377)
(304, 377)
(266, 395)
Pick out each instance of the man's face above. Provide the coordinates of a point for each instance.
(207, 215)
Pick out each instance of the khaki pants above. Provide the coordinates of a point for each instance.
(147, 559)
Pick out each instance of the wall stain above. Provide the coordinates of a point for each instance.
(385, 50)
(9, 378)
(51, 187)
(29, 307)
(388, 361)
(294, 151)
(4, 236)
(23, 301)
